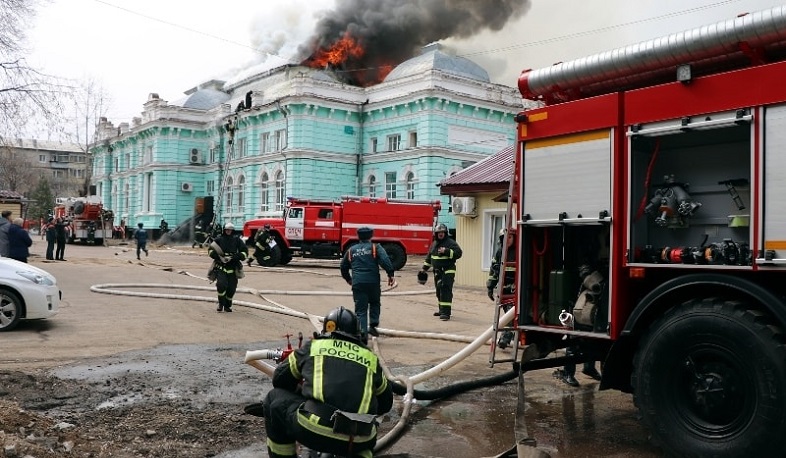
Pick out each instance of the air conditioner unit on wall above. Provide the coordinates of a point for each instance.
(464, 206)
(186, 187)
(195, 157)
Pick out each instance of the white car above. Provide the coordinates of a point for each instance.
(26, 293)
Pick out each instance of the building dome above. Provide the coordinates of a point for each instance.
(434, 59)
(203, 99)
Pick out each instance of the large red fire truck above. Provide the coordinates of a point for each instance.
(88, 221)
(649, 211)
(325, 229)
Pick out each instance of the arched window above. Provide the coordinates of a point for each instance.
(280, 198)
(372, 186)
(229, 195)
(241, 194)
(264, 193)
(410, 179)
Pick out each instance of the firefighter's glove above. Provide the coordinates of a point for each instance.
(225, 259)
(236, 257)
(422, 277)
(491, 293)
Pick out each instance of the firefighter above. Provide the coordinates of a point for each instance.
(228, 253)
(508, 283)
(201, 234)
(329, 375)
(262, 250)
(141, 240)
(442, 256)
(364, 259)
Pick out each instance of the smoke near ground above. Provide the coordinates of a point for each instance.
(391, 31)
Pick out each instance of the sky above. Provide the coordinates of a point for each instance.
(134, 48)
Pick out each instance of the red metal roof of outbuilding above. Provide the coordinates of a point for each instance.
(491, 174)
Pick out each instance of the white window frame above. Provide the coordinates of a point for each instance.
(372, 186)
(390, 185)
(280, 186)
(374, 144)
(493, 221)
(413, 139)
(281, 139)
(411, 183)
(264, 193)
(394, 142)
(264, 142)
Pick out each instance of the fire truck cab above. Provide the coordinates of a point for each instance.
(650, 214)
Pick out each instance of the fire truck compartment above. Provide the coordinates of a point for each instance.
(690, 191)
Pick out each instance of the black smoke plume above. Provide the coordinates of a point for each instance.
(391, 31)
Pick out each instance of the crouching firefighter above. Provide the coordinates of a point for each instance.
(326, 395)
(263, 251)
(228, 253)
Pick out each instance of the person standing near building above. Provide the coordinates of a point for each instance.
(5, 224)
(141, 240)
(508, 283)
(51, 238)
(61, 230)
(228, 252)
(442, 256)
(327, 394)
(19, 241)
(364, 259)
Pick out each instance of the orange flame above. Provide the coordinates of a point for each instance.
(338, 53)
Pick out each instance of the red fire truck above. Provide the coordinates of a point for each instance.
(649, 208)
(325, 229)
(86, 217)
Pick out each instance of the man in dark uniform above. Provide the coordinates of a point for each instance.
(442, 256)
(331, 374)
(262, 249)
(228, 252)
(364, 259)
(508, 282)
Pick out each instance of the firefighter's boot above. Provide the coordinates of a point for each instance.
(505, 339)
(444, 313)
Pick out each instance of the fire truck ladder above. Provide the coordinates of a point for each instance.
(507, 299)
(231, 127)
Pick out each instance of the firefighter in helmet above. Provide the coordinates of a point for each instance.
(228, 252)
(508, 282)
(330, 375)
(442, 256)
(263, 251)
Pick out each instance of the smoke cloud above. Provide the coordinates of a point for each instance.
(391, 31)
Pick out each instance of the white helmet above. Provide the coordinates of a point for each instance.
(229, 227)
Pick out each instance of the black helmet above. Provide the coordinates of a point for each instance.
(422, 277)
(343, 322)
(365, 233)
(266, 227)
(441, 227)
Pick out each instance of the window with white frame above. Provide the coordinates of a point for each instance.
(241, 194)
(394, 142)
(390, 185)
(42, 158)
(413, 139)
(148, 155)
(117, 164)
(374, 144)
(213, 155)
(211, 187)
(280, 198)
(58, 174)
(127, 194)
(411, 185)
(241, 148)
(372, 186)
(128, 161)
(494, 222)
(264, 193)
(228, 191)
(264, 143)
(281, 139)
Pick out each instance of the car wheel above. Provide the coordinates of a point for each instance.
(708, 379)
(11, 309)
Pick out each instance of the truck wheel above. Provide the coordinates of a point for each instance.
(275, 258)
(708, 379)
(397, 255)
(286, 256)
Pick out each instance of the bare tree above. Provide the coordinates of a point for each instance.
(27, 96)
(89, 102)
(16, 173)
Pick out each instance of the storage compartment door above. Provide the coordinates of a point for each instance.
(570, 174)
(775, 181)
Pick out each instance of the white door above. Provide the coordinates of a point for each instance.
(294, 223)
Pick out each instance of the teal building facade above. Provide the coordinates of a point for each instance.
(301, 132)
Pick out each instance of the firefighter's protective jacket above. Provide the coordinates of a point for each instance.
(262, 240)
(364, 259)
(340, 373)
(234, 249)
(509, 280)
(445, 261)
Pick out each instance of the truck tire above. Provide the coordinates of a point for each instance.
(275, 258)
(286, 256)
(397, 255)
(708, 379)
